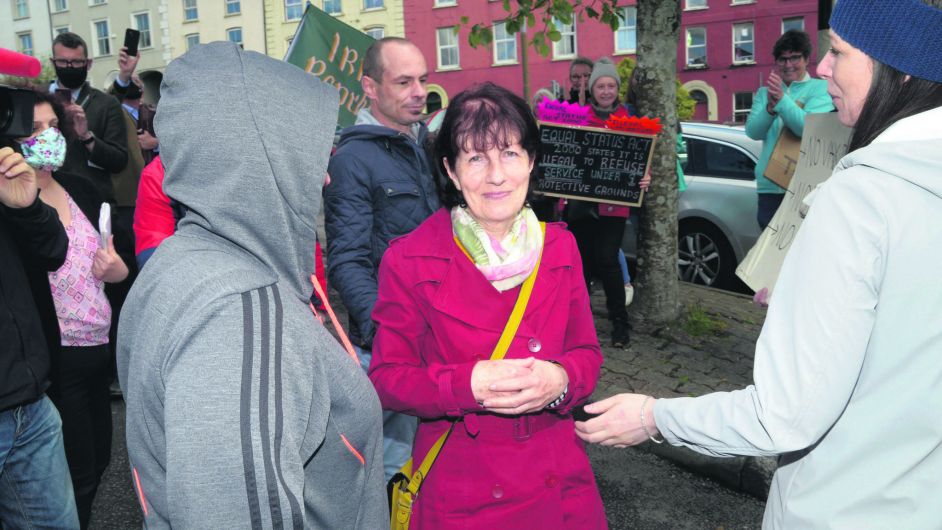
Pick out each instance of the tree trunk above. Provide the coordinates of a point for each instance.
(656, 282)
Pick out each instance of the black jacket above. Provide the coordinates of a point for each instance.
(380, 188)
(32, 242)
(110, 155)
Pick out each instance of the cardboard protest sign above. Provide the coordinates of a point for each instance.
(332, 51)
(784, 158)
(823, 144)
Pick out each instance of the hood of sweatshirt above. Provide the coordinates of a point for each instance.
(245, 141)
(910, 149)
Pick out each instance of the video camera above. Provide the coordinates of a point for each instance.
(16, 104)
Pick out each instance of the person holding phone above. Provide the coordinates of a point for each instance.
(80, 378)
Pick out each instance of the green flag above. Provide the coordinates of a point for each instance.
(333, 52)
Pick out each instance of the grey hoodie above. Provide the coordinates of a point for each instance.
(242, 410)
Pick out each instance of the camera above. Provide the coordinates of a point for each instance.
(16, 112)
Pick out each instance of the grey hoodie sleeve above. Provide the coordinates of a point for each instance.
(242, 407)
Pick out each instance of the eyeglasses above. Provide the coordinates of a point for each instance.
(580, 76)
(67, 63)
(793, 59)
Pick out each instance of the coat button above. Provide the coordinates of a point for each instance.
(497, 491)
(479, 357)
(552, 481)
(534, 345)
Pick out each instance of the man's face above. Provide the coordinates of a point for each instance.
(61, 54)
(579, 76)
(397, 101)
(793, 66)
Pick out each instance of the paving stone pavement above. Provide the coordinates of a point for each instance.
(679, 361)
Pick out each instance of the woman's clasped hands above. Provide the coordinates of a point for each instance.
(517, 386)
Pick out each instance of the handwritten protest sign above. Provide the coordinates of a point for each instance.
(823, 144)
(593, 164)
(333, 52)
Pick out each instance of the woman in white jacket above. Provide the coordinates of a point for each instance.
(848, 367)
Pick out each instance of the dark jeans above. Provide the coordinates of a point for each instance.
(599, 240)
(768, 205)
(35, 490)
(80, 392)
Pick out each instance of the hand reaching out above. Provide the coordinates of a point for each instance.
(619, 421)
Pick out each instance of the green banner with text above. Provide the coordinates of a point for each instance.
(333, 52)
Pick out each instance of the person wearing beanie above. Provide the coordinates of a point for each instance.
(847, 372)
(600, 227)
(789, 95)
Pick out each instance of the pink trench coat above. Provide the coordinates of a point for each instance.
(436, 317)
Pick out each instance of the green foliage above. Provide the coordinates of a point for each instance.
(685, 103)
(697, 322)
(46, 76)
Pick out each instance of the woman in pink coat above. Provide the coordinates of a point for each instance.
(513, 459)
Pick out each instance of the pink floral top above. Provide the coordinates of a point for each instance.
(83, 310)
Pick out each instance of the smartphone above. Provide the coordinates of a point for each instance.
(131, 38)
(63, 96)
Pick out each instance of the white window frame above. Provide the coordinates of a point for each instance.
(742, 111)
(801, 19)
(740, 2)
(192, 7)
(625, 27)
(567, 31)
(687, 48)
(96, 39)
(92, 3)
(382, 5)
(237, 3)
(16, 9)
(294, 3)
(439, 48)
(19, 41)
(374, 28)
(445, 3)
(506, 39)
(241, 41)
(55, 5)
(149, 33)
(58, 30)
(339, 10)
(697, 4)
(186, 40)
(737, 39)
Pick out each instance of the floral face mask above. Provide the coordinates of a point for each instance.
(46, 151)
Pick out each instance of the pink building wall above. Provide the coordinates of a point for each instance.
(595, 40)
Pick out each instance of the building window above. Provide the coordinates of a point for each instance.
(60, 30)
(445, 3)
(332, 7)
(102, 32)
(21, 8)
(25, 43)
(233, 7)
(60, 5)
(192, 40)
(377, 32)
(626, 38)
(97, 2)
(742, 104)
(696, 4)
(293, 9)
(142, 24)
(696, 47)
(743, 2)
(447, 40)
(372, 4)
(744, 47)
(797, 23)
(566, 46)
(234, 35)
(505, 45)
(189, 11)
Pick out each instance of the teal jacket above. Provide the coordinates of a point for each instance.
(813, 96)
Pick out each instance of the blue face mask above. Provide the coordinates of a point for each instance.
(46, 151)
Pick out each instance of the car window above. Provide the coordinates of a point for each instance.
(715, 159)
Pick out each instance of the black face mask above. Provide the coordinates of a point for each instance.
(133, 92)
(71, 77)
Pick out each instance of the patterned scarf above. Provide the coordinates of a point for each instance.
(505, 263)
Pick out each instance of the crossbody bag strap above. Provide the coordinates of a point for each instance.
(344, 340)
(503, 344)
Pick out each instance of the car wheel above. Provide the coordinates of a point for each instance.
(704, 255)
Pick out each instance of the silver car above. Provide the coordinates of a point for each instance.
(717, 212)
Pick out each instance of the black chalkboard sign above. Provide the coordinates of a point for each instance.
(593, 164)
